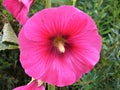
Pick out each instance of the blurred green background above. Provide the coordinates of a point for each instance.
(105, 75)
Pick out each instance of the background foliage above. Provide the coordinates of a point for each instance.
(105, 75)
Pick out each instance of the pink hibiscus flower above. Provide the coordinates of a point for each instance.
(18, 8)
(32, 86)
(59, 45)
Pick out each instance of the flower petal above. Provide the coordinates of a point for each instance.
(82, 45)
(18, 9)
(27, 3)
(49, 22)
(31, 86)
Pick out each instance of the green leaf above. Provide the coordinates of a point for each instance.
(50, 87)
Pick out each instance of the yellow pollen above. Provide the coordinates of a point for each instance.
(61, 47)
(59, 43)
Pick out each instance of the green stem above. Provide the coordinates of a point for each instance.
(48, 3)
(74, 2)
(50, 87)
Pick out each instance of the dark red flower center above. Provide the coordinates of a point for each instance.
(60, 45)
